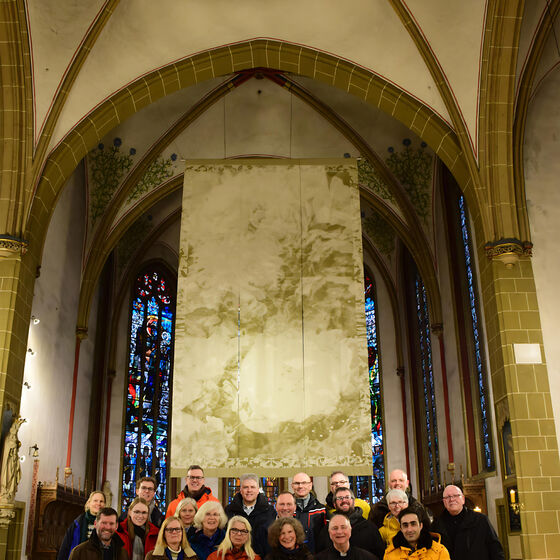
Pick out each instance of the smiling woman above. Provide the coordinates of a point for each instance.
(138, 534)
(208, 530)
(286, 538)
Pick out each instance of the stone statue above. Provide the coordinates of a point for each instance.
(11, 470)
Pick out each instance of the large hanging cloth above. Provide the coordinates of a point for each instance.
(270, 367)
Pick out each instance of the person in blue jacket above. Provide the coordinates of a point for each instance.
(81, 528)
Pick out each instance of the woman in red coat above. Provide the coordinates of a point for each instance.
(137, 533)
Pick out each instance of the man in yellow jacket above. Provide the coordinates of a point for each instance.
(413, 542)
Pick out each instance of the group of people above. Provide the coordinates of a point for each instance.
(298, 527)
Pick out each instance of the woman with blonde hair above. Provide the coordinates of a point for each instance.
(207, 531)
(172, 543)
(186, 510)
(237, 542)
(81, 528)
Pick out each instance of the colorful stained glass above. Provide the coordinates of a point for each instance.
(428, 389)
(366, 487)
(148, 398)
(481, 383)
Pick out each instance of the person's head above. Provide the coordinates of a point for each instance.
(287, 532)
(343, 500)
(195, 478)
(186, 510)
(146, 488)
(411, 526)
(453, 499)
(285, 505)
(172, 535)
(106, 524)
(340, 531)
(249, 488)
(238, 537)
(397, 500)
(95, 502)
(301, 485)
(209, 517)
(139, 512)
(398, 479)
(338, 480)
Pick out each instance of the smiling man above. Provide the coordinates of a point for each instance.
(340, 534)
(414, 541)
(252, 504)
(365, 535)
(467, 534)
(194, 488)
(338, 479)
(103, 543)
(310, 512)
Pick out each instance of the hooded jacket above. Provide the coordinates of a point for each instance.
(428, 548)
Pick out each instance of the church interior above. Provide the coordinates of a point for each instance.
(447, 113)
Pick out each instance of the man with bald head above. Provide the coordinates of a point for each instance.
(398, 479)
(465, 533)
(309, 511)
(340, 531)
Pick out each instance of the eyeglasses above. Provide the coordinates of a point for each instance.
(339, 483)
(136, 512)
(402, 503)
(452, 497)
(195, 477)
(147, 488)
(173, 529)
(342, 498)
(301, 483)
(239, 531)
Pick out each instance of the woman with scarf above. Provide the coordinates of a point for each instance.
(237, 542)
(286, 538)
(172, 543)
(207, 531)
(138, 534)
(82, 526)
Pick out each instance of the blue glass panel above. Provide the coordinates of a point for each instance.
(487, 448)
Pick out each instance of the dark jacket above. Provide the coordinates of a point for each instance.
(313, 518)
(365, 535)
(149, 540)
(380, 509)
(468, 535)
(261, 517)
(300, 553)
(72, 538)
(353, 553)
(203, 545)
(92, 549)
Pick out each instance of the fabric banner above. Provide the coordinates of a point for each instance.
(270, 372)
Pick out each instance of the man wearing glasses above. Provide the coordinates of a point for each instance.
(339, 480)
(365, 535)
(194, 488)
(146, 488)
(466, 533)
(309, 511)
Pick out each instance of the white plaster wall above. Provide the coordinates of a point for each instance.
(542, 170)
(46, 404)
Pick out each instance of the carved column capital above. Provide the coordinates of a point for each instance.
(508, 251)
(12, 247)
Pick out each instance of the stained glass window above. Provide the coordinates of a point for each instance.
(487, 453)
(427, 388)
(371, 488)
(148, 389)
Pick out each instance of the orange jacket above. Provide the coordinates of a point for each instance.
(207, 496)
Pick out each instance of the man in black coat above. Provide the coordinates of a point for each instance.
(465, 533)
(309, 511)
(340, 531)
(365, 535)
(250, 503)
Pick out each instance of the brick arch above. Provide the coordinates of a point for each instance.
(255, 53)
